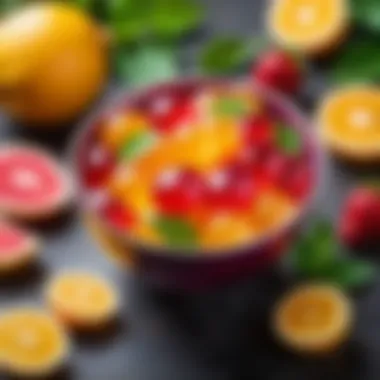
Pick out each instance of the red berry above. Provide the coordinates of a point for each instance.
(259, 132)
(117, 214)
(232, 189)
(360, 218)
(168, 113)
(277, 168)
(179, 192)
(279, 70)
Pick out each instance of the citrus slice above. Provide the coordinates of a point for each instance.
(310, 26)
(313, 319)
(17, 247)
(82, 300)
(32, 343)
(349, 122)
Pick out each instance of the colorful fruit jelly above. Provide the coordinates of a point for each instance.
(212, 169)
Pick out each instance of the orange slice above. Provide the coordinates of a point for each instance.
(309, 26)
(32, 343)
(349, 122)
(313, 319)
(82, 300)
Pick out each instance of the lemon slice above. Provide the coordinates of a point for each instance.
(309, 26)
(82, 300)
(313, 319)
(32, 343)
(348, 120)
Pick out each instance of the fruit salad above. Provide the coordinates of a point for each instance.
(210, 168)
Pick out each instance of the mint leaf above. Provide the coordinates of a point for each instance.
(350, 274)
(147, 65)
(173, 18)
(358, 61)
(366, 13)
(288, 140)
(231, 106)
(176, 232)
(224, 55)
(137, 144)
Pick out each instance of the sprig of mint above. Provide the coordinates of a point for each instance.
(176, 231)
(366, 14)
(288, 140)
(137, 144)
(231, 106)
(318, 255)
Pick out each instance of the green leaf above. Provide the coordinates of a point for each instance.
(176, 232)
(288, 140)
(231, 106)
(350, 274)
(316, 251)
(173, 18)
(358, 61)
(224, 55)
(366, 13)
(137, 144)
(147, 65)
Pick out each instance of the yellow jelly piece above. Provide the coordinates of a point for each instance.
(31, 342)
(82, 298)
(119, 127)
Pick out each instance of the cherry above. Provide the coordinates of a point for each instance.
(98, 166)
(279, 70)
(298, 181)
(259, 132)
(168, 113)
(179, 192)
(231, 189)
(116, 213)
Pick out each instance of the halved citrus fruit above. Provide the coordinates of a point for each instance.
(349, 122)
(313, 319)
(309, 26)
(17, 247)
(32, 343)
(82, 300)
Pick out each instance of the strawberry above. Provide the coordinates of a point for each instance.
(279, 70)
(360, 220)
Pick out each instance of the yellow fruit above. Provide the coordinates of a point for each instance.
(31, 343)
(82, 300)
(226, 230)
(310, 26)
(119, 127)
(53, 63)
(313, 319)
(349, 122)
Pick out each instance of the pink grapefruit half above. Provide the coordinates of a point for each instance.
(33, 185)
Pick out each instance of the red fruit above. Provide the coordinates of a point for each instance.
(231, 189)
(179, 192)
(17, 246)
(360, 219)
(259, 132)
(168, 113)
(117, 214)
(33, 185)
(279, 70)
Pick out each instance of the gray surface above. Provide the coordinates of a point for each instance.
(219, 335)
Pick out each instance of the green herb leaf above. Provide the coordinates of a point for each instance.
(231, 106)
(147, 65)
(137, 144)
(358, 61)
(316, 251)
(176, 232)
(288, 140)
(224, 55)
(173, 18)
(351, 274)
(366, 13)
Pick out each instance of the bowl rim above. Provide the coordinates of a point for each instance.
(124, 97)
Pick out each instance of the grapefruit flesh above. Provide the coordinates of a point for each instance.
(32, 184)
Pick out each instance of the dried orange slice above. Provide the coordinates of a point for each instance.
(313, 319)
(349, 122)
(32, 343)
(82, 300)
(309, 26)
